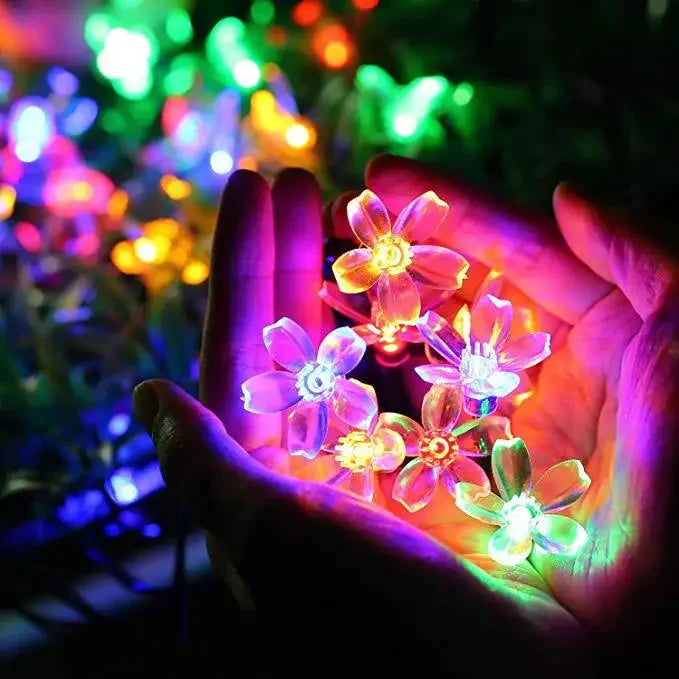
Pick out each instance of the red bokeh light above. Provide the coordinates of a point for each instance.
(366, 5)
(307, 12)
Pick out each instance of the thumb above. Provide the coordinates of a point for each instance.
(614, 251)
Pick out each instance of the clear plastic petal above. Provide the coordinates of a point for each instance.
(506, 550)
(368, 218)
(421, 217)
(415, 485)
(559, 534)
(479, 503)
(410, 334)
(355, 403)
(491, 285)
(270, 392)
(525, 352)
(398, 298)
(355, 272)
(307, 428)
(468, 471)
(355, 307)
(288, 344)
(491, 320)
(342, 350)
(479, 440)
(501, 383)
(511, 467)
(438, 267)
(438, 333)
(561, 485)
(441, 407)
(409, 430)
(363, 484)
(392, 450)
(336, 429)
(462, 324)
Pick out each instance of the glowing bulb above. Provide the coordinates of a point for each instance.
(221, 161)
(262, 12)
(463, 94)
(195, 272)
(175, 188)
(246, 73)
(117, 204)
(122, 488)
(125, 259)
(119, 424)
(307, 12)
(8, 196)
(145, 249)
(178, 26)
(297, 136)
(27, 234)
(62, 82)
(366, 5)
(335, 54)
(405, 125)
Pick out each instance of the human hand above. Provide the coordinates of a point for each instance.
(404, 572)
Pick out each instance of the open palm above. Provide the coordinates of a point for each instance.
(603, 397)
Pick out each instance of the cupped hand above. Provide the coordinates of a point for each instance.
(300, 549)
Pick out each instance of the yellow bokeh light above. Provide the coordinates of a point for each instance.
(117, 204)
(335, 54)
(82, 191)
(145, 249)
(125, 259)
(8, 196)
(175, 188)
(195, 272)
(297, 136)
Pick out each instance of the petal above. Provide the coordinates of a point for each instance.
(441, 407)
(410, 334)
(421, 217)
(398, 298)
(409, 430)
(462, 324)
(355, 403)
(511, 467)
(354, 307)
(525, 352)
(355, 271)
(561, 485)
(506, 550)
(368, 333)
(490, 285)
(501, 383)
(342, 350)
(288, 344)
(438, 333)
(270, 392)
(307, 428)
(368, 218)
(479, 503)
(477, 437)
(336, 429)
(363, 484)
(468, 471)
(415, 485)
(491, 320)
(392, 449)
(559, 534)
(438, 267)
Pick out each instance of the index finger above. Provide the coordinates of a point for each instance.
(240, 304)
(526, 248)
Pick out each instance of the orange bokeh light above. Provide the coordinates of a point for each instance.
(366, 5)
(332, 45)
(335, 54)
(195, 272)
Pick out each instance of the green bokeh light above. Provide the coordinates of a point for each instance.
(463, 94)
(178, 26)
(97, 27)
(262, 12)
(181, 76)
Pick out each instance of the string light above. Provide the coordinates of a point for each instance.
(175, 188)
(221, 161)
(246, 73)
(178, 26)
(195, 272)
(332, 45)
(28, 236)
(463, 94)
(262, 12)
(8, 196)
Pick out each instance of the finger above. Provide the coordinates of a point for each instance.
(612, 250)
(526, 248)
(299, 249)
(240, 304)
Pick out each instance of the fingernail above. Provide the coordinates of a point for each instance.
(146, 404)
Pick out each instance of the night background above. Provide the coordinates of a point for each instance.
(120, 122)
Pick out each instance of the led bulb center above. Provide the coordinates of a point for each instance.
(315, 382)
(519, 515)
(392, 254)
(438, 448)
(355, 451)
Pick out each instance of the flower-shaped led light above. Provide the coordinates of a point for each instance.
(388, 258)
(313, 383)
(360, 453)
(481, 361)
(525, 512)
(389, 340)
(437, 448)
